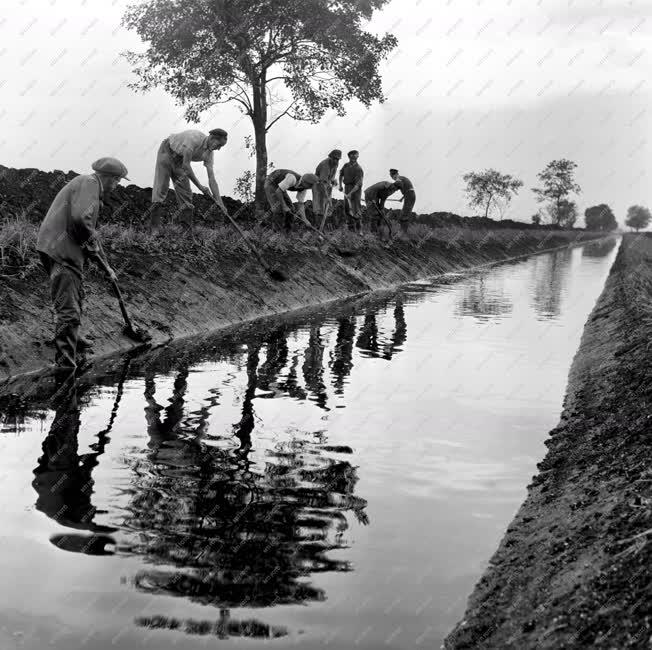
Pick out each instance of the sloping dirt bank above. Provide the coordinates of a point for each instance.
(573, 570)
(179, 290)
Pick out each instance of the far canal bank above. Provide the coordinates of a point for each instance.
(573, 569)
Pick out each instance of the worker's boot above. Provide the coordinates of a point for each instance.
(186, 218)
(404, 226)
(155, 215)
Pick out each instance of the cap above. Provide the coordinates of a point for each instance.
(310, 179)
(336, 153)
(218, 133)
(111, 166)
(393, 171)
(352, 152)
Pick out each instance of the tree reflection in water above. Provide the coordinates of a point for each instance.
(210, 524)
(549, 277)
(483, 299)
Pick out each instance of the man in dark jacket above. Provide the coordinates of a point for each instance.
(66, 239)
(351, 176)
(409, 196)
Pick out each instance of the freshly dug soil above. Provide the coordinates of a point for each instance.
(573, 570)
(183, 290)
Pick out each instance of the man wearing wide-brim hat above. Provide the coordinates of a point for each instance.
(66, 239)
(174, 163)
(322, 193)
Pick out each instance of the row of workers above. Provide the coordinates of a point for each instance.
(178, 151)
(68, 237)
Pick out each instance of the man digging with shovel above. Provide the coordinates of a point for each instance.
(173, 162)
(277, 186)
(375, 196)
(66, 239)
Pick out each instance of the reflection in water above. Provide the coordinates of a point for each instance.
(482, 299)
(399, 335)
(220, 493)
(313, 367)
(342, 355)
(223, 628)
(368, 336)
(600, 248)
(550, 273)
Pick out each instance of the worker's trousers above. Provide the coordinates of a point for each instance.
(67, 293)
(169, 167)
(409, 200)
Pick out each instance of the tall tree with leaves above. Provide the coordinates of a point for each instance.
(490, 186)
(638, 217)
(600, 217)
(273, 58)
(558, 180)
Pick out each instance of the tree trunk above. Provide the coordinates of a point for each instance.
(486, 212)
(261, 167)
(259, 119)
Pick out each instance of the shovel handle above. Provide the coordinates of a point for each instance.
(121, 302)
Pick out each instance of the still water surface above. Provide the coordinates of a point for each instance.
(337, 479)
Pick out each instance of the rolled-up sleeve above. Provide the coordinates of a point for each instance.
(289, 181)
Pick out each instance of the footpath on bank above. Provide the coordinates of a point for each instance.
(573, 569)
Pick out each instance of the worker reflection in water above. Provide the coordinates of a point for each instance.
(63, 479)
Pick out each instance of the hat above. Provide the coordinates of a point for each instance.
(308, 179)
(110, 166)
(352, 152)
(393, 171)
(218, 133)
(336, 153)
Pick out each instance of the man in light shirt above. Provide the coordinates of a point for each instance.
(277, 186)
(173, 162)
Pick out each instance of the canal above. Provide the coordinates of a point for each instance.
(337, 478)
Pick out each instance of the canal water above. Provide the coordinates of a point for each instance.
(339, 478)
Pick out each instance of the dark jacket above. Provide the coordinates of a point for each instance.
(67, 234)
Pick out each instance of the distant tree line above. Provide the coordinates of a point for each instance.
(492, 189)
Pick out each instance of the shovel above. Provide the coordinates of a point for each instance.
(139, 335)
(275, 274)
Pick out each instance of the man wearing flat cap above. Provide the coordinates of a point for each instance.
(323, 190)
(173, 162)
(409, 197)
(277, 186)
(66, 239)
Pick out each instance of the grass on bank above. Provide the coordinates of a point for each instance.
(18, 257)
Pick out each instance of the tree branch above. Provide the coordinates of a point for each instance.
(278, 117)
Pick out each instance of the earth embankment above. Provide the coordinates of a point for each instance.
(573, 569)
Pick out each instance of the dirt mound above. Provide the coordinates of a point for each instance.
(29, 192)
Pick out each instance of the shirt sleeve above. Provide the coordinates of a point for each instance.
(359, 177)
(289, 181)
(323, 172)
(84, 210)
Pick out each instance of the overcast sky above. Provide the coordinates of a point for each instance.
(509, 84)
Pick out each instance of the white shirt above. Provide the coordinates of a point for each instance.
(195, 142)
(289, 181)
